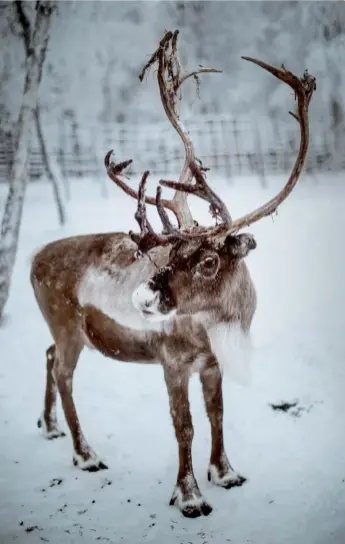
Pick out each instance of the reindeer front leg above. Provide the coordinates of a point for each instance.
(220, 471)
(186, 496)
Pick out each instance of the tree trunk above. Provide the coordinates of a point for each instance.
(48, 167)
(26, 28)
(14, 204)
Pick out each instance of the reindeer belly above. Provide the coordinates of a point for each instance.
(111, 292)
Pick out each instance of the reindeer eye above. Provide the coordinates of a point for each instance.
(208, 266)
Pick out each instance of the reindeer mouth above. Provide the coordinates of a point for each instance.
(157, 316)
(147, 313)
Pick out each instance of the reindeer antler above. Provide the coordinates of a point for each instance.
(147, 239)
(303, 88)
(170, 76)
(201, 189)
(114, 171)
(168, 62)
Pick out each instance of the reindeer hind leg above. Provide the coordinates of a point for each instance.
(66, 359)
(48, 420)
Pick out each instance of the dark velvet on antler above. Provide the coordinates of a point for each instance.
(148, 239)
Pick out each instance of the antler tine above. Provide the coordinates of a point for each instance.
(147, 239)
(217, 206)
(202, 190)
(304, 88)
(168, 35)
(140, 215)
(168, 228)
(308, 82)
(115, 170)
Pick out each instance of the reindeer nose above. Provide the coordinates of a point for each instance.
(143, 297)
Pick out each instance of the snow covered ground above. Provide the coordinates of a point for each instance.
(294, 460)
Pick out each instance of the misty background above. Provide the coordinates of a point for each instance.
(91, 99)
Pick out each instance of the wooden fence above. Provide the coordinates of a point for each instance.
(230, 146)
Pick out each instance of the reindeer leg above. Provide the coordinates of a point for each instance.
(65, 363)
(48, 421)
(220, 471)
(186, 496)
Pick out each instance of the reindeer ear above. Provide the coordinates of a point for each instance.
(239, 245)
(208, 266)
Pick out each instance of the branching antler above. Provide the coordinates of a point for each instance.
(201, 189)
(147, 239)
(170, 76)
(114, 171)
(168, 63)
(303, 88)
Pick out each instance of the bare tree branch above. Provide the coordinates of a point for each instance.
(25, 24)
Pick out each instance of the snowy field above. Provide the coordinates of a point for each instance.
(294, 460)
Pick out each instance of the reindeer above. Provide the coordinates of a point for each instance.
(171, 298)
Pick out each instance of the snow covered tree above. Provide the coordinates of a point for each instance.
(11, 221)
(51, 171)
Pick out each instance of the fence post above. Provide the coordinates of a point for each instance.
(62, 158)
(260, 155)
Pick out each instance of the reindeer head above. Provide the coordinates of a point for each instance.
(193, 279)
(201, 260)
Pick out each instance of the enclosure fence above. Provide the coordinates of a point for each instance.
(229, 146)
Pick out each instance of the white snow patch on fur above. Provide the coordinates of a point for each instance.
(230, 476)
(85, 464)
(113, 296)
(196, 498)
(144, 298)
(55, 432)
(182, 504)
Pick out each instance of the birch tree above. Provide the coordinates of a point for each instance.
(11, 220)
(50, 170)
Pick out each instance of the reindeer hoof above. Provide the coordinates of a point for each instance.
(96, 468)
(93, 464)
(56, 433)
(229, 480)
(191, 508)
(195, 511)
(52, 433)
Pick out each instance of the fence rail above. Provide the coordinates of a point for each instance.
(230, 146)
